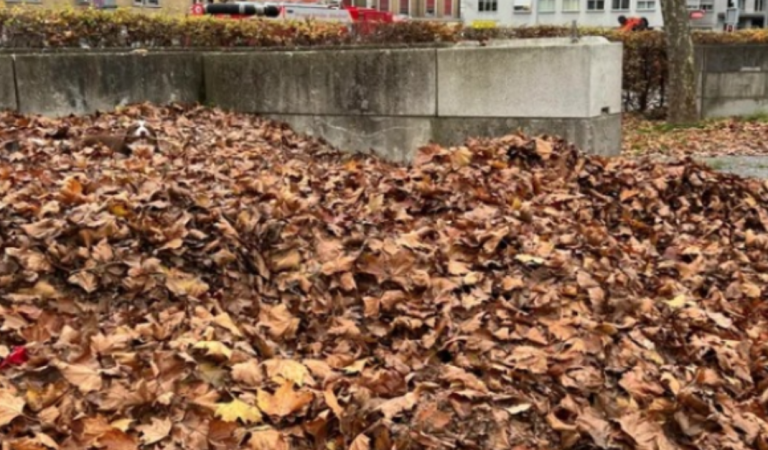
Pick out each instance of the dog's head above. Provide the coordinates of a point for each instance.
(139, 130)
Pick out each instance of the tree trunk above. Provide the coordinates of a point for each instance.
(681, 101)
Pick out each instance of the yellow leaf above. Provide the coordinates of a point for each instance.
(238, 410)
(355, 367)
(214, 348)
(677, 302)
(118, 210)
(122, 424)
(517, 409)
(10, 407)
(526, 259)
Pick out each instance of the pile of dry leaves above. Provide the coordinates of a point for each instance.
(249, 288)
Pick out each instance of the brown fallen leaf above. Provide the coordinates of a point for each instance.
(85, 379)
(285, 401)
(361, 442)
(158, 430)
(267, 439)
(11, 406)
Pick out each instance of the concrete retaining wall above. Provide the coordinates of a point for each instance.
(386, 101)
(734, 80)
(81, 83)
(7, 83)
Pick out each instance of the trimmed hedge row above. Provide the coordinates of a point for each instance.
(644, 52)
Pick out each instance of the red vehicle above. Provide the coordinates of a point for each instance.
(292, 11)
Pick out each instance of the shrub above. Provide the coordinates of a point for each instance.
(644, 64)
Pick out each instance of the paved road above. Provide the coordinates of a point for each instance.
(745, 166)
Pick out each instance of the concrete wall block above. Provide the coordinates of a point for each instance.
(350, 82)
(7, 84)
(735, 58)
(527, 78)
(392, 138)
(599, 135)
(53, 84)
(173, 77)
(605, 79)
(65, 84)
(736, 85)
(729, 107)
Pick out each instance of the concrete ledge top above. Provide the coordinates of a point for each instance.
(536, 42)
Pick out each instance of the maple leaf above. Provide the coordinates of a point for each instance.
(286, 369)
(85, 280)
(86, 379)
(285, 401)
(267, 439)
(225, 321)
(238, 410)
(184, 284)
(286, 260)
(395, 406)
(115, 439)
(11, 407)
(214, 348)
(158, 430)
(248, 373)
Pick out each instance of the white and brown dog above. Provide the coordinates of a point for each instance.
(138, 132)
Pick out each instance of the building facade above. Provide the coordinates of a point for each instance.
(605, 13)
(415, 9)
(171, 7)
(446, 10)
(590, 13)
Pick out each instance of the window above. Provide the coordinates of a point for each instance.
(742, 5)
(646, 5)
(595, 5)
(405, 6)
(546, 6)
(155, 3)
(383, 5)
(522, 6)
(570, 5)
(620, 5)
(759, 5)
(707, 5)
(430, 7)
(487, 5)
(448, 9)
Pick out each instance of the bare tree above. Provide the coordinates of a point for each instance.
(681, 104)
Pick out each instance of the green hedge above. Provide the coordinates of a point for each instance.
(644, 52)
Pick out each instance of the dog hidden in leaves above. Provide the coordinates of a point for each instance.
(138, 132)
